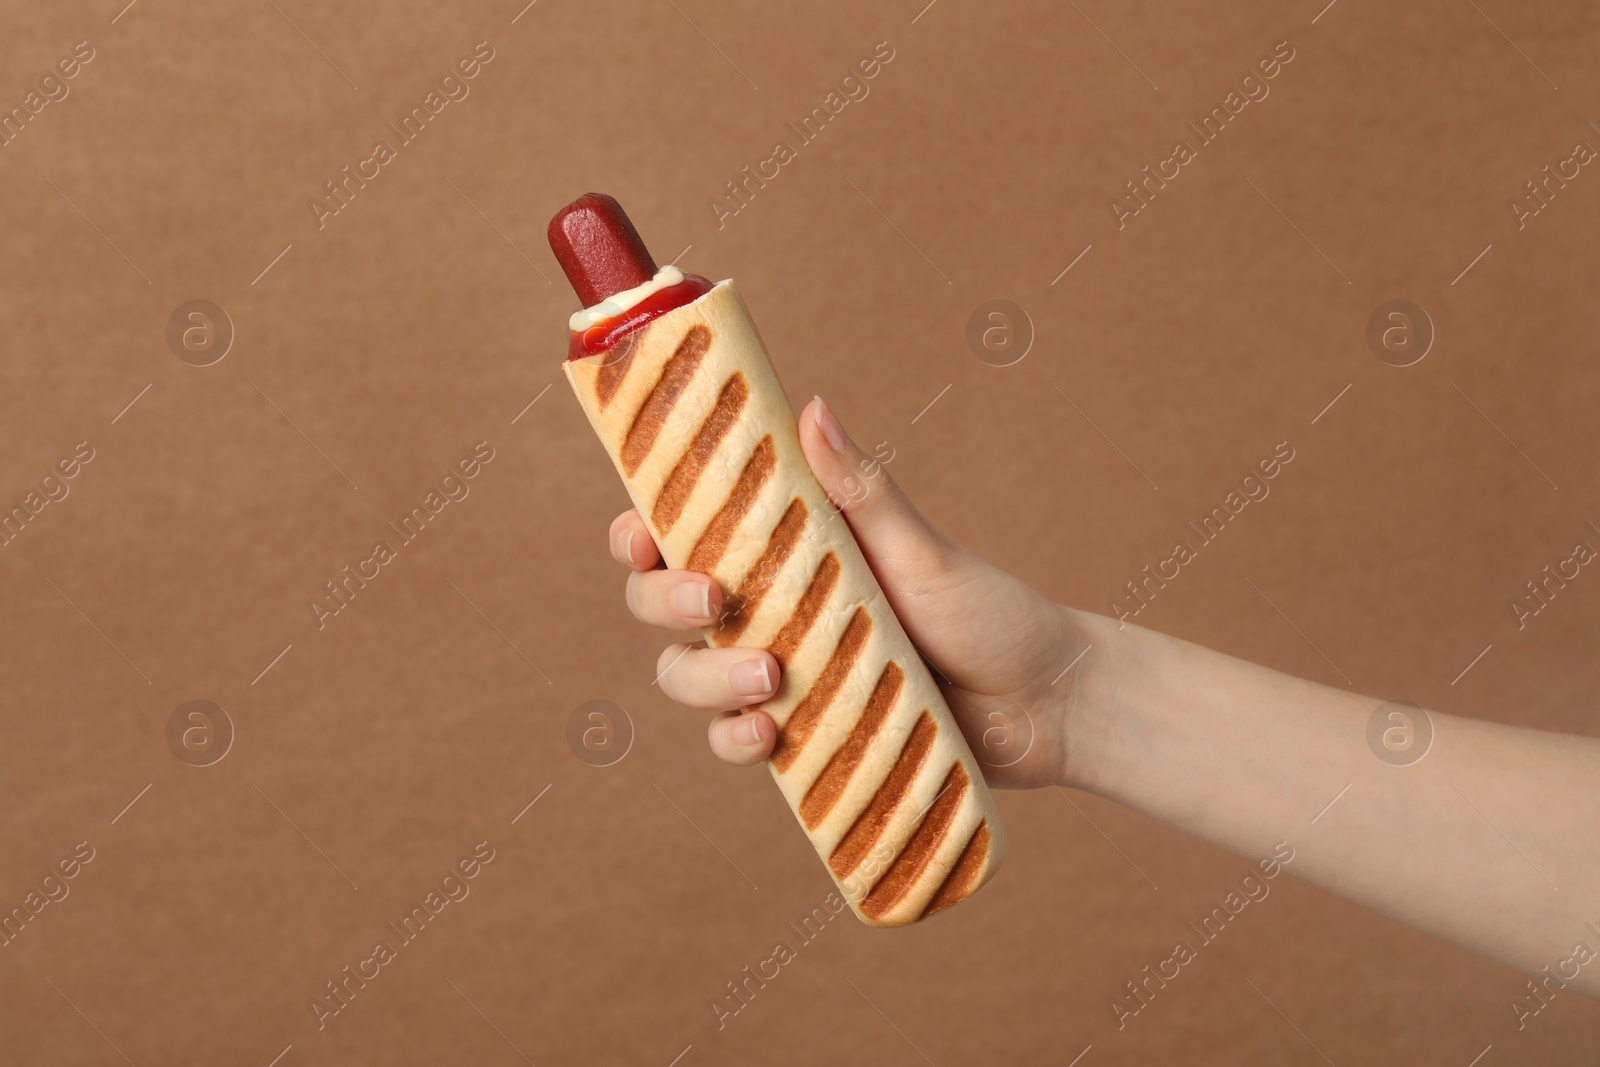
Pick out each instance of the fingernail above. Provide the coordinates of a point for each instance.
(829, 424)
(750, 678)
(625, 546)
(749, 732)
(692, 600)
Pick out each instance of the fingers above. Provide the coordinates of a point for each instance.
(715, 679)
(673, 600)
(882, 518)
(631, 543)
(742, 738)
(706, 678)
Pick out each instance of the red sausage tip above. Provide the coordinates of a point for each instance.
(598, 248)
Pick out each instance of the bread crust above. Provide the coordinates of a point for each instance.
(869, 756)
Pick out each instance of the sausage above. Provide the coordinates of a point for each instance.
(598, 248)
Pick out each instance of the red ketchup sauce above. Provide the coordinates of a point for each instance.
(607, 332)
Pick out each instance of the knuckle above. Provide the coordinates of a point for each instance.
(670, 671)
(696, 682)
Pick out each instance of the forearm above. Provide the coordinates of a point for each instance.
(1491, 840)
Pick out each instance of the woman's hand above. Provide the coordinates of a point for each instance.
(1251, 760)
(999, 650)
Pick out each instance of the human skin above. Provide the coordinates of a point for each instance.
(1490, 841)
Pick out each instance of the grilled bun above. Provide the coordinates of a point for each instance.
(868, 755)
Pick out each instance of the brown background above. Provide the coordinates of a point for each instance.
(409, 328)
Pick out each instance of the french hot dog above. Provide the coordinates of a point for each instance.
(675, 380)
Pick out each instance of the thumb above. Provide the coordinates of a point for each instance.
(891, 531)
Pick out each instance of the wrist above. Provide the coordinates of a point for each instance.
(1087, 705)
